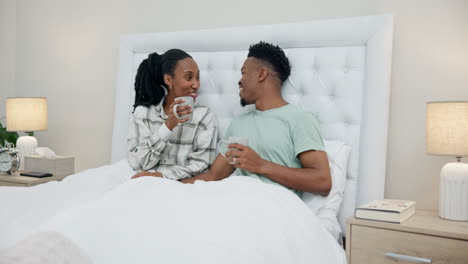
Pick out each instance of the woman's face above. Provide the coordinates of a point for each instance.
(186, 79)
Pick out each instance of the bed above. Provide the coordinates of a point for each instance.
(340, 73)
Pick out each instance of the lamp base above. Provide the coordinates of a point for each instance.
(26, 145)
(453, 197)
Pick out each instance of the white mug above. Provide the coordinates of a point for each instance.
(188, 101)
(240, 140)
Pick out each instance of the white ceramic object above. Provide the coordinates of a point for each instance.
(453, 197)
(26, 145)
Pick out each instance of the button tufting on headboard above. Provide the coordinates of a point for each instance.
(340, 73)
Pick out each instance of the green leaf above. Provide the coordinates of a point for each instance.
(6, 136)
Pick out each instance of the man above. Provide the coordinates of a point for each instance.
(285, 145)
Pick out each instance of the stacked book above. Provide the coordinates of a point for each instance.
(387, 210)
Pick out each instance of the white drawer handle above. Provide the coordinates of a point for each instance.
(407, 258)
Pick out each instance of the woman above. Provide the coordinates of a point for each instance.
(160, 144)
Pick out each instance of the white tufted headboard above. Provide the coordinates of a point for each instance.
(340, 72)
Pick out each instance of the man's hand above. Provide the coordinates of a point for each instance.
(147, 173)
(314, 176)
(245, 158)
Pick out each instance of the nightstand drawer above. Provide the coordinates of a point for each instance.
(6, 183)
(370, 244)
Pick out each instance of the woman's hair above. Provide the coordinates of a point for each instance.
(150, 76)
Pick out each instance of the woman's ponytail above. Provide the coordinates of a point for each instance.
(149, 80)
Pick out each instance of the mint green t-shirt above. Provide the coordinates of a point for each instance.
(278, 135)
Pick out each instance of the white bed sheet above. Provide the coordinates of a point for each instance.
(237, 220)
(90, 206)
(29, 207)
(44, 247)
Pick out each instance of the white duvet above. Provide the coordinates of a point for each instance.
(153, 220)
(24, 209)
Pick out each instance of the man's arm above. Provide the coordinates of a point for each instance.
(218, 171)
(314, 177)
(147, 173)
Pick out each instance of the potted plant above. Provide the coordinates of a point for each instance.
(6, 136)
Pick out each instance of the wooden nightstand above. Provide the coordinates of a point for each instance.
(17, 180)
(424, 236)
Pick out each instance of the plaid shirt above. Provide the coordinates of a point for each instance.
(188, 151)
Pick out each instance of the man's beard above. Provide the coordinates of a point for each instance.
(243, 102)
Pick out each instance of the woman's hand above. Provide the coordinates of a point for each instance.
(147, 173)
(172, 120)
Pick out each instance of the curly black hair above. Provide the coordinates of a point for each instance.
(150, 76)
(273, 55)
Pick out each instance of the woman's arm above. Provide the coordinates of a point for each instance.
(204, 151)
(144, 147)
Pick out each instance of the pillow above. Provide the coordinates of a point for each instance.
(327, 208)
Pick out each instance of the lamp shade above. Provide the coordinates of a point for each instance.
(447, 128)
(26, 113)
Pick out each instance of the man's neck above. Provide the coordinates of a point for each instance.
(270, 101)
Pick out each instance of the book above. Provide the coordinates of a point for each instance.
(387, 210)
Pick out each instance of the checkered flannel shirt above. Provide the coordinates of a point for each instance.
(187, 151)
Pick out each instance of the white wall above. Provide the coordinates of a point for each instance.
(430, 63)
(7, 52)
(67, 51)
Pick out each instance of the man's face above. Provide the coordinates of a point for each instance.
(248, 82)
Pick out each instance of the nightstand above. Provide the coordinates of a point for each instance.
(423, 238)
(17, 180)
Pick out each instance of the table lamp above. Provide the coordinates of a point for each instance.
(26, 114)
(447, 134)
